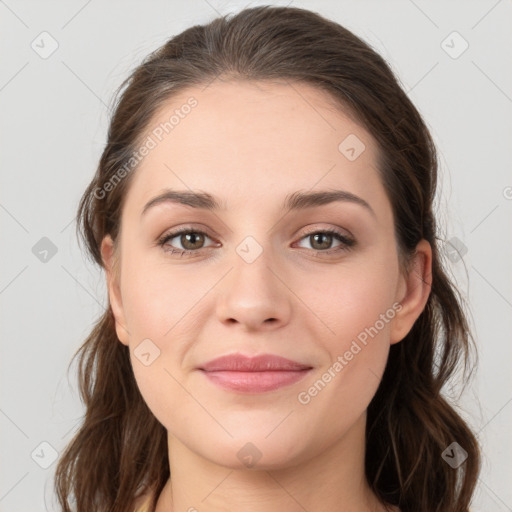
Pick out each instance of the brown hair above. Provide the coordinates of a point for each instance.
(120, 450)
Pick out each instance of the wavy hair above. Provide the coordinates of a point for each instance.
(120, 450)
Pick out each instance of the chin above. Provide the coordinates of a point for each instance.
(254, 451)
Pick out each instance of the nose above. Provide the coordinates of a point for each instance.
(254, 295)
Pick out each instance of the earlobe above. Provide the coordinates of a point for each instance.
(113, 286)
(414, 292)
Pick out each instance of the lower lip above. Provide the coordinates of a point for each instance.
(255, 382)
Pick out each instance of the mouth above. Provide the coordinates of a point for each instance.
(257, 374)
(255, 382)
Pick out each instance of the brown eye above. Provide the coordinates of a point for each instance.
(321, 241)
(190, 240)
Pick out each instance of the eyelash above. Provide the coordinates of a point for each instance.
(347, 243)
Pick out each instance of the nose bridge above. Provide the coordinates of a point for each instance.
(252, 272)
(252, 239)
(257, 247)
(252, 293)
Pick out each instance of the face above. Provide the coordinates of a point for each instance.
(318, 283)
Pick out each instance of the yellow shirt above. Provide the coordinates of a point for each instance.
(144, 507)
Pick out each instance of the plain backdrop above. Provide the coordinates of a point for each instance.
(62, 61)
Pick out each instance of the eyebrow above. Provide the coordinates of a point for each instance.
(295, 201)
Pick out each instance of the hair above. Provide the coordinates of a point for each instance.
(120, 450)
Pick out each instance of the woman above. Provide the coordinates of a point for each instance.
(280, 323)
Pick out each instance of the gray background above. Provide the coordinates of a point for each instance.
(52, 128)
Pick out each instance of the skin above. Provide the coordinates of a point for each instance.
(251, 144)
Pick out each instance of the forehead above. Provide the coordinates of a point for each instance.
(253, 140)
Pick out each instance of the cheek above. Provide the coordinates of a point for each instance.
(354, 310)
(356, 356)
(159, 301)
(160, 317)
(350, 299)
(336, 303)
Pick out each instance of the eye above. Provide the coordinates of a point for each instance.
(192, 240)
(323, 240)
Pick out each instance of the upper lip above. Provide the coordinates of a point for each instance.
(259, 363)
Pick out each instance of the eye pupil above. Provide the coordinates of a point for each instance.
(321, 235)
(191, 238)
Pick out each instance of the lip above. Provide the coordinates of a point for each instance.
(259, 363)
(258, 374)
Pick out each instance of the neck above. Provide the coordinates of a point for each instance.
(332, 480)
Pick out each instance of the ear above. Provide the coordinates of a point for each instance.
(413, 292)
(114, 291)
